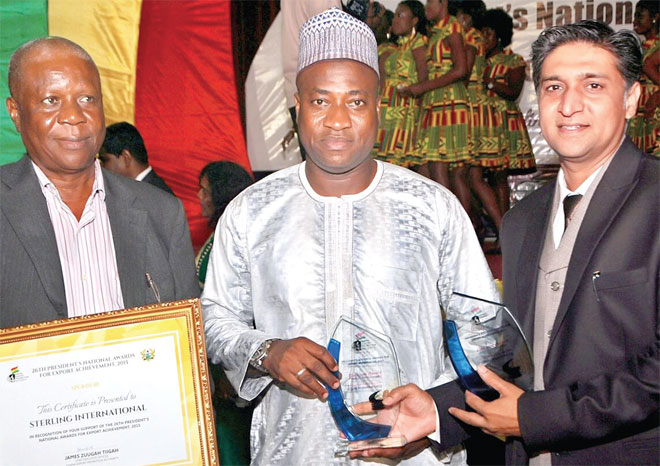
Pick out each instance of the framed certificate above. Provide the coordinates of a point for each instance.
(128, 387)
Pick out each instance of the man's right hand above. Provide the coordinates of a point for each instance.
(303, 365)
(415, 420)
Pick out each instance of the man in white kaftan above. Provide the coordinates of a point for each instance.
(293, 253)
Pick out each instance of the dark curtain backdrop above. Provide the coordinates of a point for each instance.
(250, 21)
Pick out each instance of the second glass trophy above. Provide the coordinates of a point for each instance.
(368, 368)
(479, 331)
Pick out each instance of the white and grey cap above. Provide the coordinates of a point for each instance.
(334, 34)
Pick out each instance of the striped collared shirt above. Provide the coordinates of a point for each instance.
(86, 249)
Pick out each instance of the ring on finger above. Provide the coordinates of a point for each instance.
(301, 372)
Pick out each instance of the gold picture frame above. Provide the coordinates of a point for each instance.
(128, 386)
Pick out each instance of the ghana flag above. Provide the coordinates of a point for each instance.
(166, 67)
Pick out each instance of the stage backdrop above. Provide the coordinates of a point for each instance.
(268, 119)
(166, 66)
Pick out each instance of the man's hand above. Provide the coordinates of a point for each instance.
(414, 421)
(402, 453)
(302, 364)
(497, 418)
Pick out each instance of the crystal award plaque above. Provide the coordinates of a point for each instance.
(368, 366)
(478, 331)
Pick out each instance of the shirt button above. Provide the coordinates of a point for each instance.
(84, 278)
(554, 286)
(549, 333)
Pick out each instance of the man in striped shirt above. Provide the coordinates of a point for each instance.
(74, 238)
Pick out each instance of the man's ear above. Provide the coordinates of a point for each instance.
(297, 99)
(632, 100)
(378, 113)
(126, 157)
(14, 114)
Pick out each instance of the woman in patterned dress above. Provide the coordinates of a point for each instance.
(644, 127)
(504, 78)
(405, 65)
(486, 126)
(443, 137)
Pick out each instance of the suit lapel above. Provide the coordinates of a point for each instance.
(608, 198)
(128, 227)
(35, 229)
(528, 262)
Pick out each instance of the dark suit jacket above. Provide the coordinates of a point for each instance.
(602, 368)
(149, 230)
(153, 178)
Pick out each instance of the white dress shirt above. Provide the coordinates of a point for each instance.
(86, 249)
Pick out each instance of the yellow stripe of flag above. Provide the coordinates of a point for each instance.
(109, 31)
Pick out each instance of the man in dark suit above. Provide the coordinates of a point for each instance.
(123, 152)
(74, 238)
(583, 283)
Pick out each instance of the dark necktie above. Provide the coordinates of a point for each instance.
(570, 203)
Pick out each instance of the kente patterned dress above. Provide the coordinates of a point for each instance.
(399, 116)
(445, 110)
(645, 132)
(385, 257)
(386, 47)
(518, 147)
(486, 124)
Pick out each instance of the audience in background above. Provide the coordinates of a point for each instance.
(380, 24)
(219, 183)
(403, 66)
(504, 78)
(644, 128)
(385, 39)
(486, 124)
(443, 137)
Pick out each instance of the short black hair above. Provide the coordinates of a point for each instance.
(226, 180)
(475, 9)
(500, 22)
(651, 5)
(120, 136)
(623, 44)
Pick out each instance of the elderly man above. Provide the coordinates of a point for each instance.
(123, 152)
(75, 238)
(339, 235)
(581, 263)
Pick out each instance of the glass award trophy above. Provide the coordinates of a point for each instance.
(368, 367)
(478, 331)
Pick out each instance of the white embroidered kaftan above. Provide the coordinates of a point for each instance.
(287, 263)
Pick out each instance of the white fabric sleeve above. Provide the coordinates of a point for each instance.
(435, 436)
(231, 338)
